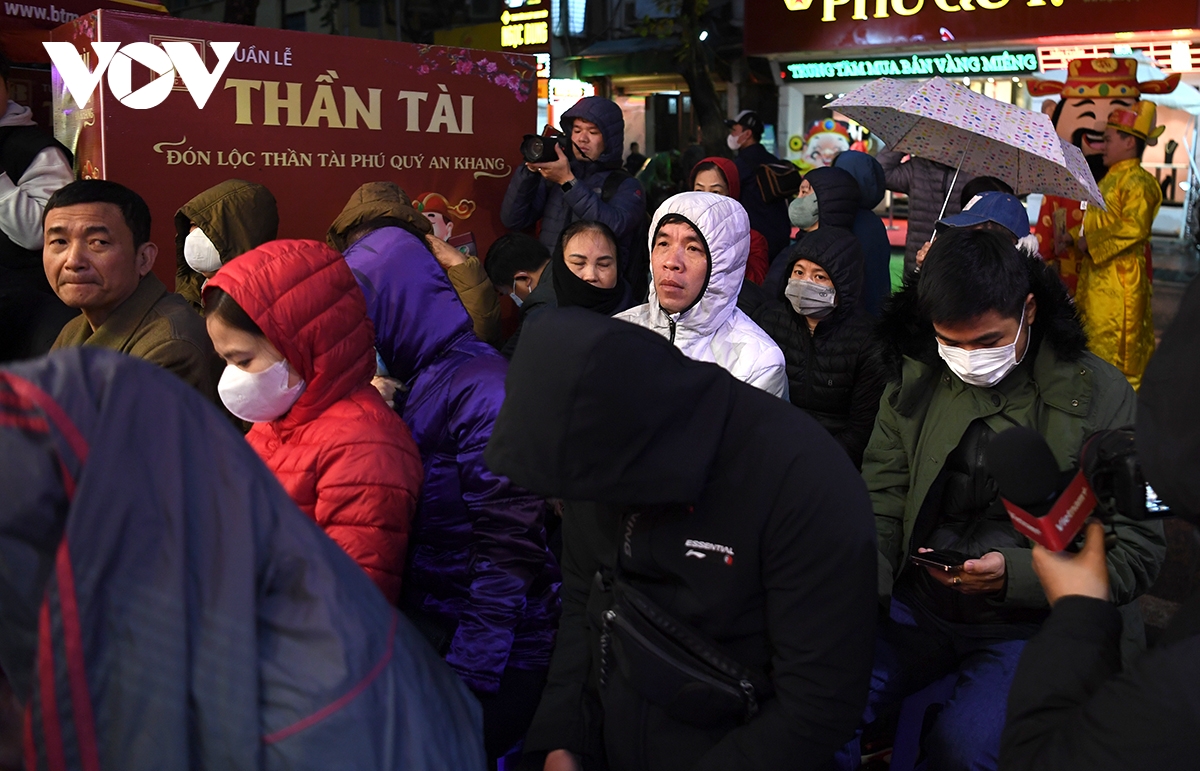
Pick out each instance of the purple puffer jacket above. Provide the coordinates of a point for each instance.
(477, 551)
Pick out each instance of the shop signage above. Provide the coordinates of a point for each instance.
(524, 26)
(793, 26)
(879, 9)
(310, 116)
(915, 65)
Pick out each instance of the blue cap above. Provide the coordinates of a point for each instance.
(1005, 210)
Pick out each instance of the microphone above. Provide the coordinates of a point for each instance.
(1029, 481)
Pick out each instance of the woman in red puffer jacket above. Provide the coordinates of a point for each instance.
(291, 324)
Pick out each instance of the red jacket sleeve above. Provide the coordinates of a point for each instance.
(760, 258)
(366, 495)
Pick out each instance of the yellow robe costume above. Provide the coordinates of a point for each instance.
(1114, 290)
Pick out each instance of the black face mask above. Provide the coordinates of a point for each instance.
(572, 291)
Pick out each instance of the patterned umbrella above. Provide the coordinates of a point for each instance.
(951, 124)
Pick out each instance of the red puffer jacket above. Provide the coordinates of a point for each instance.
(345, 458)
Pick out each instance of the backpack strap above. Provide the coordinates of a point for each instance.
(612, 183)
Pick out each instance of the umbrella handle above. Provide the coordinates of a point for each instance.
(954, 181)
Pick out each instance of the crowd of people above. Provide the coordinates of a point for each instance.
(667, 521)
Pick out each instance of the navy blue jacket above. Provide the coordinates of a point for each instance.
(530, 198)
(165, 605)
(770, 219)
(869, 228)
(838, 200)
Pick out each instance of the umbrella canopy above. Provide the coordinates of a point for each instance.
(951, 124)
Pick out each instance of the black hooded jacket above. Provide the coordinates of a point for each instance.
(835, 372)
(737, 516)
(838, 198)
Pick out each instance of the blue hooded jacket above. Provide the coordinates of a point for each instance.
(531, 198)
(164, 604)
(477, 559)
(869, 228)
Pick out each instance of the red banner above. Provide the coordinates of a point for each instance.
(794, 26)
(310, 116)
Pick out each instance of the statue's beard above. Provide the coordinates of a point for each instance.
(1095, 161)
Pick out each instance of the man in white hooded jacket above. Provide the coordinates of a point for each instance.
(698, 251)
(32, 167)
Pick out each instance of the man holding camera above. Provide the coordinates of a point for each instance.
(1072, 704)
(580, 186)
(985, 339)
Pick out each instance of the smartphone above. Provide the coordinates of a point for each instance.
(942, 560)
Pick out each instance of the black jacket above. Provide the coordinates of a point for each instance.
(925, 182)
(605, 411)
(834, 373)
(1072, 706)
(838, 198)
(770, 219)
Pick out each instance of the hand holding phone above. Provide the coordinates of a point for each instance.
(946, 560)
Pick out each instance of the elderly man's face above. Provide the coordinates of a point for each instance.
(90, 259)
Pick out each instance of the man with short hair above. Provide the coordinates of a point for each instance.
(984, 340)
(635, 160)
(698, 259)
(770, 219)
(519, 266)
(1114, 289)
(578, 186)
(32, 166)
(98, 258)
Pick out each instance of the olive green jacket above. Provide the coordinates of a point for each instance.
(157, 326)
(1064, 401)
(236, 215)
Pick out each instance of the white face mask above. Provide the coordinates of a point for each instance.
(810, 298)
(984, 366)
(734, 141)
(516, 299)
(200, 254)
(258, 396)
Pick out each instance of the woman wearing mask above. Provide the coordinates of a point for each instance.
(833, 365)
(217, 225)
(828, 197)
(292, 327)
(720, 176)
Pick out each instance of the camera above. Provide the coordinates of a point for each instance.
(540, 149)
(1109, 461)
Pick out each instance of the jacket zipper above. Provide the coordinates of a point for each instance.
(744, 690)
(671, 321)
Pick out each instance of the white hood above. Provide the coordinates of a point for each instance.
(725, 228)
(714, 329)
(17, 115)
